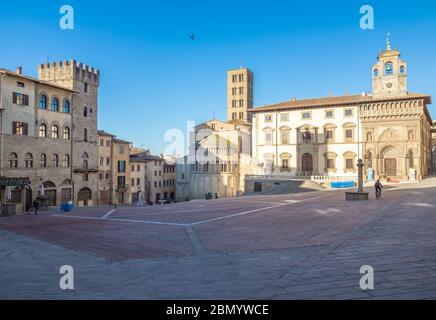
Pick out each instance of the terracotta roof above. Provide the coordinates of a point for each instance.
(14, 74)
(334, 101)
(144, 156)
(104, 133)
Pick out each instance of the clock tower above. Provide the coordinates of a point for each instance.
(389, 74)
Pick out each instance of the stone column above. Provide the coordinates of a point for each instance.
(360, 166)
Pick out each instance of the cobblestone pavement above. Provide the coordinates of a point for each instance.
(305, 246)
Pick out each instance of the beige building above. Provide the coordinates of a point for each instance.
(154, 175)
(137, 176)
(389, 129)
(47, 142)
(169, 178)
(219, 157)
(114, 170)
(239, 94)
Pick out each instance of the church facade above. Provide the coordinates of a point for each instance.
(390, 129)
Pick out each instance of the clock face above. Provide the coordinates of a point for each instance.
(389, 85)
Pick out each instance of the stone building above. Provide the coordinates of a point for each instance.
(433, 147)
(389, 129)
(219, 157)
(137, 184)
(169, 178)
(43, 137)
(114, 170)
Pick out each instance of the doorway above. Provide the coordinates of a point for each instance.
(391, 167)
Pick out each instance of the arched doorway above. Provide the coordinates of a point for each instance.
(84, 197)
(307, 164)
(434, 160)
(50, 193)
(66, 191)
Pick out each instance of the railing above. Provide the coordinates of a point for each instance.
(322, 179)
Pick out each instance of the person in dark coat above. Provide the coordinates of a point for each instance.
(36, 206)
(378, 189)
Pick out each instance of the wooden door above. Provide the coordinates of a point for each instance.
(391, 167)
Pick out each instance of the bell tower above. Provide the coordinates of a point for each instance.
(389, 74)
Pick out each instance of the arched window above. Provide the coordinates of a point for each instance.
(43, 160)
(43, 102)
(13, 160)
(85, 161)
(55, 132)
(55, 161)
(402, 70)
(389, 68)
(66, 161)
(28, 160)
(375, 73)
(55, 104)
(66, 133)
(85, 111)
(42, 131)
(66, 106)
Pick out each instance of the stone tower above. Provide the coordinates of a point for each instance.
(85, 81)
(239, 94)
(389, 74)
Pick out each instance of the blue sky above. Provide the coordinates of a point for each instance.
(155, 78)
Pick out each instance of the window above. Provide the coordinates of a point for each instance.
(121, 166)
(107, 175)
(85, 161)
(138, 168)
(108, 143)
(285, 163)
(138, 181)
(349, 134)
(55, 132)
(100, 175)
(28, 160)
(121, 148)
(349, 164)
(241, 103)
(329, 114)
(375, 73)
(55, 104)
(241, 90)
(330, 163)
(307, 137)
(85, 112)
(284, 136)
(85, 177)
(133, 168)
(42, 131)
(19, 128)
(66, 133)
(121, 182)
(389, 68)
(66, 161)
(348, 112)
(108, 161)
(101, 142)
(268, 118)
(155, 184)
(284, 117)
(85, 135)
(268, 138)
(55, 161)
(43, 102)
(306, 115)
(85, 87)
(329, 135)
(20, 99)
(43, 160)
(133, 182)
(20, 84)
(101, 161)
(13, 160)
(402, 69)
(66, 106)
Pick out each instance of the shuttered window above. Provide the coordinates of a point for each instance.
(20, 99)
(19, 128)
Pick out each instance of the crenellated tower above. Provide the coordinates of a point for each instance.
(85, 81)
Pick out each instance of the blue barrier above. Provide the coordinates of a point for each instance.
(67, 207)
(342, 184)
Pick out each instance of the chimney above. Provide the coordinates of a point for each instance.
(19, 70)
